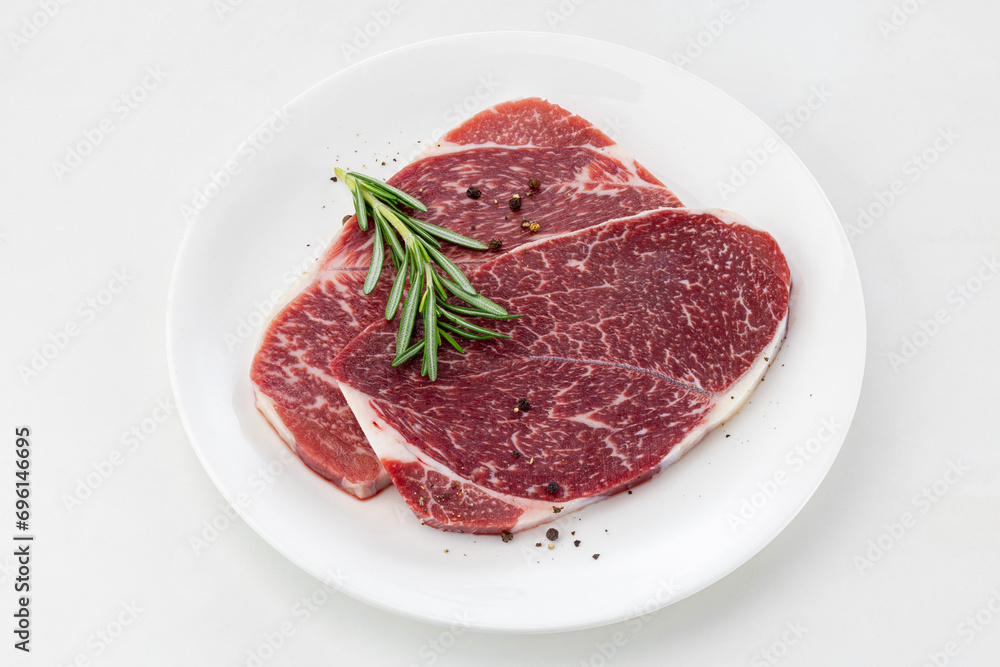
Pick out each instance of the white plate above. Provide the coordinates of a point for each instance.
(673, 536)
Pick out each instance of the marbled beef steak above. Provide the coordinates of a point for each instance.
(638, 336)
(585, 179)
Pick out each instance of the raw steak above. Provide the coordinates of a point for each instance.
(638, 337)
(585, 179)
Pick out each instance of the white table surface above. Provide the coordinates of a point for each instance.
(894, 561)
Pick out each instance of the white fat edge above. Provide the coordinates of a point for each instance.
(537, 512)
(387, 441)
(740, 390)
(263, 402)
(449, 147)
(745, 386)
(726, 407)
(266, 407)
(365, 491)
(360, 489)
(390, 445)
(614, 151)
(728, 217)
(531, 245)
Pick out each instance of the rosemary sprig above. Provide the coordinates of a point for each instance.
(415, 252)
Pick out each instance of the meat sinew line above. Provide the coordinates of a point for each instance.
(682, 309)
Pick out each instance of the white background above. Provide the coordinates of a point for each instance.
(899, 91)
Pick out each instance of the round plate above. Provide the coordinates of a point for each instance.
(263, 222)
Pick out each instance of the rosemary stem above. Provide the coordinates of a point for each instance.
(419, 261)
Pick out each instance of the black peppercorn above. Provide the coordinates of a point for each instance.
(552, 534)
(553, 487)
(514, 203)
(534, 183)
(523, 405)
(473, 193)
(495, 245)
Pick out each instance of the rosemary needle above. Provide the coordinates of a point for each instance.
(415, 253)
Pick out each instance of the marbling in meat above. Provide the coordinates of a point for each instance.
(638, 336)
(585, 179)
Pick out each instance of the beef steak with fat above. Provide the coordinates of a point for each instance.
(638, 336)
(585, 179)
